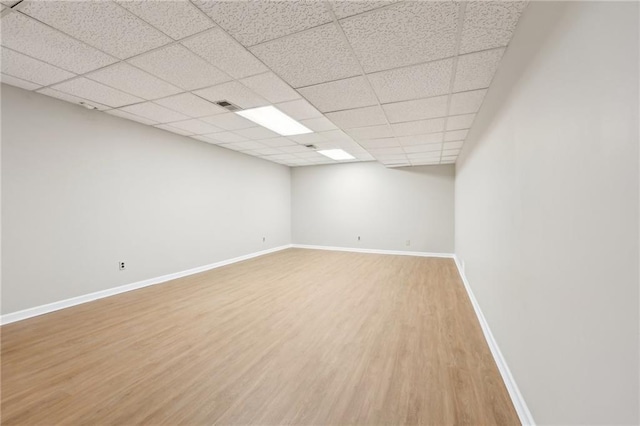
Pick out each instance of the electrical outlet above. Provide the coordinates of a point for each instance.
(408, 243)
(121, 266)
(264, 239)
(358, 237)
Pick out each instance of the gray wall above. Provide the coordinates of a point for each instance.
(82, 190)
(547, 211)
(333, 205)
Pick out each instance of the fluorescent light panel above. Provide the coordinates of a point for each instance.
(274, 119)
(336, 154)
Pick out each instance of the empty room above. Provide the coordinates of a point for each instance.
(306, 212)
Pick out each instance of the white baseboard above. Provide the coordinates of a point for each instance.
(514, 392)
(55, 306)
(376, 251)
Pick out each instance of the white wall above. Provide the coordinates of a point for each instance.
(547, 211)
(83, 190)
(333, 205)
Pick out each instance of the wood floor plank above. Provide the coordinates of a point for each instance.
(296, 337)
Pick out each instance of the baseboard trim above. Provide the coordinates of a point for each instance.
(375, 251)
(67, 303)
(514, 392)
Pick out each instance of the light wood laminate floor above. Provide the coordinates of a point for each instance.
(296, 337)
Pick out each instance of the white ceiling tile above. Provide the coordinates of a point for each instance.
(424, 162)
(102, 24)
(253, 22)
(173, 129)
(379, 143)
(224, 52)
(391, 157)
(256, 133)
(243, 146)
(449, 159)
(131, 80)
(196, 127)
(425, 149)
(418, 109)
(310, 57)
(292, 149)
(421, 139)
(371, 132)
(466, 102)
(403, 34)
(268, 151)
(308, 139)
(72, 99)
(476, 70)
(418, 127)
(37, 40)
(226, 137)
(458, 122)
(155, 112)
(299, 109)
(348, 93)
(319, 124)
(386, 151)
(456, 135)
(336, 135)
(453, 145)
(489, 24)
(414, 82)
(233, 147)
(270, 87)
(345, 8)
(133, 117)
(94, 91)
(25, 68)
(450, 152)
(359, 117)
(18, 82)
(191, 105)
(229, 121)
(279, 143)
(180, 66)
(206, 139)
(233, 92)
(177, 19)
(283, 156)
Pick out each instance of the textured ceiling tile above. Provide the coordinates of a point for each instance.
(271, 87)
(456, 135)
(453, 145)
(449, 159)
(243, 146)
(42, 42)
(431, 148)
(418, 127)
(475, 70)
(253, 22)
(310, 57)
(191, 105)
(345, 8)
(338, 95)
(129, 79)
(403, 34)
(421, 139)
(225, 53)
(336, 135)
(457, 122)
(229, 121)
(173, 129)
(181, 67)
(226, 137)
(466, 102)
(93, 91)
(319, 124)
(386, 151)
(177, 19)
(359, 117)
(417, 81)
(70, 98)
(449, 152)
(292, 149)
(379, 143)
(206, 139)
(371, 132)
(17, 82)
(489, 24)
(299, 109)
(29, 69)
(257, 133)
(196, 127)
(155, 112)
(268, 151)
(280, 143)
(133, 117)
(102, 24)
(233, 92)
(309, 138)
(418, 109)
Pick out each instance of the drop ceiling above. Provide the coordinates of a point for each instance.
(399, 82)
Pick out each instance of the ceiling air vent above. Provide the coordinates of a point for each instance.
(311, 146)
(228, 106)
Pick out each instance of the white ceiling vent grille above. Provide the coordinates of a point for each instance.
(228, 105)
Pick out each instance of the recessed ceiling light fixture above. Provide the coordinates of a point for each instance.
(336, 154)
(274, 119)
